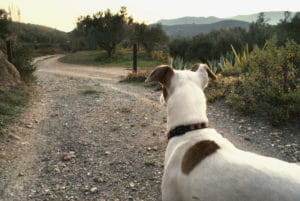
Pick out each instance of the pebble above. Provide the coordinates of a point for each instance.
(29, 125)
(93, 189)
(14, 137)
(131, 184)
(68, 156)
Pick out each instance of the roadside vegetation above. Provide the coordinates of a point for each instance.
(258, 70)
(122, 57)
(16, 72)
(12, 103)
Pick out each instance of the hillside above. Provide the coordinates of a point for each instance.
(189, 20)
(44, 40)
(188, 30)
(9, 76)
(273, 18)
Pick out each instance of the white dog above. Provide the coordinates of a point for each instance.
(200, 164)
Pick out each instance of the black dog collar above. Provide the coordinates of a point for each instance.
(180, 130)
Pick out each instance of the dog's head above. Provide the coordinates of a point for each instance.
(171, 79)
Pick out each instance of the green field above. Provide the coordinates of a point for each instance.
(122, 58)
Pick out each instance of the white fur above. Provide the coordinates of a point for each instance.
(186, 103)
(229, 174)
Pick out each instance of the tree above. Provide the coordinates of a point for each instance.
(295, 27)
(105, 29)
(259, 32)
(154, 36)
(179, 47)
(5, 22)
(138, 33)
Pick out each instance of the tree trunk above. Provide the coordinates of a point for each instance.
(9, 51)
(134, 58)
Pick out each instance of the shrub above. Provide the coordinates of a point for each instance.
(11, 103)
(22, 57)
(139, 76)
(270, 84)
(220, 87)
(159, 55)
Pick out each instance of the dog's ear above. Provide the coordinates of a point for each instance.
(204, 72)
(205, 66)
(161, 74)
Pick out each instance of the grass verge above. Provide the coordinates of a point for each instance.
(12, 102)
(99, 58)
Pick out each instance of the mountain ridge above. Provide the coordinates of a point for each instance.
(189, 30)
(272, 17)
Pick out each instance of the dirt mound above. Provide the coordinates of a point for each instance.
(9, 75)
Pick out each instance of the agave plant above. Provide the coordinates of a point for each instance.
(178, 63)
(240, 59)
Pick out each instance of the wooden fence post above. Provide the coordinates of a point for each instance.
(134, 58)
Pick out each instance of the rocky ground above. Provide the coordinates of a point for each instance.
(88, 137)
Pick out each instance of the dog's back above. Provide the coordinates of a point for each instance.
(228, 173)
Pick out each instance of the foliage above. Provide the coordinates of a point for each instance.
(122, 57)
(179, 47)
(259, 32)
(159, 55)
(178, 63)
(104, 29)
(241, 59)
(270, 85)
(212, 46)
(208, 47)
(22, 60)
(154, 37)
(5, 22)
(11, 103)
(220, 87)
(42, 40)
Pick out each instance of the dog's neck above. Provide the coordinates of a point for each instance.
(181, 130)
(186, 106)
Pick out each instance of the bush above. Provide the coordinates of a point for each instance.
(270, 84)
(220, 87)
(11, 103)
(22, 58)
(159, 55)
(140, 76)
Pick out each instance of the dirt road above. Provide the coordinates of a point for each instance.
(88, 137)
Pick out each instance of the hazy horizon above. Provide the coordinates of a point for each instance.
(62, 15)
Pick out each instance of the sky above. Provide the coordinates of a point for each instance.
(63, 14)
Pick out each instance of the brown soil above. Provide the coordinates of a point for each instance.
(9, 75)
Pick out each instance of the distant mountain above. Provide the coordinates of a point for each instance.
(272, 17)
(188, 30)
(189, 20)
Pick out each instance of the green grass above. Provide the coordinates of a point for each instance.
(122, 58)
(12, 102)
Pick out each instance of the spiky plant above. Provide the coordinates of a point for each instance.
(240, 59)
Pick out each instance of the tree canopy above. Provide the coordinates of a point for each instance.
(104, 29)
(4, 24)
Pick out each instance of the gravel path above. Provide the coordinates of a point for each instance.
(88, 137)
